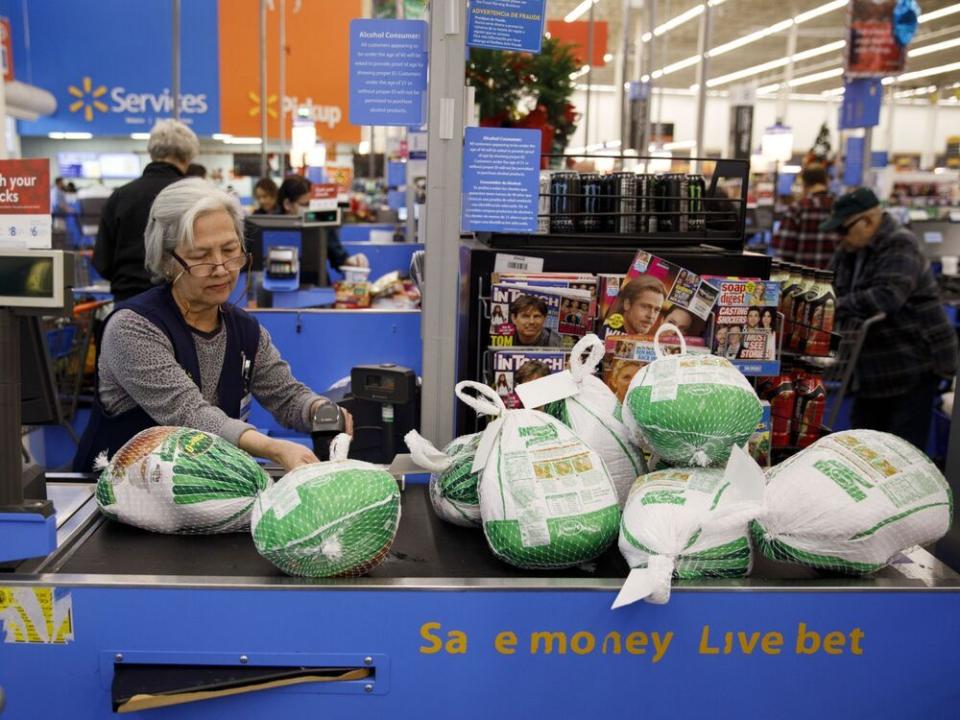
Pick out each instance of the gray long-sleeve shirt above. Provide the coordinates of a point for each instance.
(137, 367)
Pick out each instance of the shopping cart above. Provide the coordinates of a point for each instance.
(70, 342)
(838, 369)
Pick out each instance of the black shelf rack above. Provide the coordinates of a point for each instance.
(724, 216)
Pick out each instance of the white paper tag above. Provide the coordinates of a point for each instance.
(541, 391)
(486, 445)
(637, 586)
(283, 499)
(517, 263)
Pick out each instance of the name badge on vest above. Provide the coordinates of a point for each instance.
(246, 367)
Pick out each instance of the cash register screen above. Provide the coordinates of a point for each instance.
(381, 382)
(933, 237)
(26, 277)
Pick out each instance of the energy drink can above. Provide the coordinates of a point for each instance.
(646, 203)
(564, 201)
(672, 202)
(593, 201)
(696, 189)
(543, 206)
(622, 187)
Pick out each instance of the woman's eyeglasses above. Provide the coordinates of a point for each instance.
(205, 270)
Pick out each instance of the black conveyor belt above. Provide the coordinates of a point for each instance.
(426, 547)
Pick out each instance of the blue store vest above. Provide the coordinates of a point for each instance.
(109, 432)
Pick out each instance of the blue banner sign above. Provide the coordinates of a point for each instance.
(388, 72)
(861, 103)
(117, 83)
(501, 180)
(506, 24)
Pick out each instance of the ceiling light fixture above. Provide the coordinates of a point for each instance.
(935, 47)
(936, 14)
(938, 70)
(579, 10)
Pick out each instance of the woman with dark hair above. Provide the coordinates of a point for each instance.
(766, 319)
(293, 198)
(265, 193)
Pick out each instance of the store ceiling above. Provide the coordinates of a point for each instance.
(733, 19)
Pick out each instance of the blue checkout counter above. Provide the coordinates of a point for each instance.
(322, 345)
(443, 629)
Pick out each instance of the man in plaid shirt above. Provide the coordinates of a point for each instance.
(800, 239)
(879, 269)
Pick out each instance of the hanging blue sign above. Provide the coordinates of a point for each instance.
(861, 103)
(121, 84)
(506, 24)
(388, 72)
(501, 180)
(853, 162)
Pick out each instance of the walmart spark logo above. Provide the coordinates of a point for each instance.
(271, 104)
(88, 99)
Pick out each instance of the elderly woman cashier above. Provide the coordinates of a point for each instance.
(177, 354)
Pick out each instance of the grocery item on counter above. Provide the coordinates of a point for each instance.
(179, 480)
(546, 498)
(851, 502)
(328, 519)
(590, 413)
(689, 523)
(691, 409)
(453, 484)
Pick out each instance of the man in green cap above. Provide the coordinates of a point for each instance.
(879, 268)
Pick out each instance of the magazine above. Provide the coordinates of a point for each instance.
(745, 324)
(656, 291)
(525, 316)
(626, 354)
(512, 367)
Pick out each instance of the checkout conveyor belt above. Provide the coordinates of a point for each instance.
(426, 549)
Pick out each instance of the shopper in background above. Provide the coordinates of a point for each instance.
(119, 252)
(880, 269)
(196, 170)
(293, 198)
(800, 239)
(59, 205)
(265, 193)
(181, 354)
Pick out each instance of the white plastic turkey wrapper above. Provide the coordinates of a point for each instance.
(546, 499)
(851, 501)
(689, 523)
(454, 491)
(587, 406)
(691, 409)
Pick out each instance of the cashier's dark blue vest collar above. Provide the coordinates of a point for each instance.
(157, 305)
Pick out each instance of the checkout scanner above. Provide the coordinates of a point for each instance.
(33, 283)
(290, 253)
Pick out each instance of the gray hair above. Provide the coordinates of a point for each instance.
(173, 139)
(172, 216)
